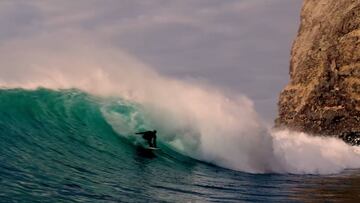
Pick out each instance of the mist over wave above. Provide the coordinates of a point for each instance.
(193, 118)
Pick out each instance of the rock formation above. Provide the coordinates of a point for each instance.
(323, 96)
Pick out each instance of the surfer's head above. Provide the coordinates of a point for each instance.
(154, 131)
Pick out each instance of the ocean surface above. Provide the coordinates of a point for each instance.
(70, 146)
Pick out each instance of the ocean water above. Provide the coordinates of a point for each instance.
(71, 146)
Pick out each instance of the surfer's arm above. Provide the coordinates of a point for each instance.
(140, 133)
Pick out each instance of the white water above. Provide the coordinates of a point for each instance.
(194, 118)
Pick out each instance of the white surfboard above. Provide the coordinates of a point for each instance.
(152, 148)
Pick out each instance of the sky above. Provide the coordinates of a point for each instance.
(240, 46)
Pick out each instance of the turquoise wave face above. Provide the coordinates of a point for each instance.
(60, 144)
(47, 125)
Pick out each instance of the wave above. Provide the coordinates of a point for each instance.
(118, 95)
(42, 120)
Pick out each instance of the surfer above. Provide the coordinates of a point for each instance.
(150, 137)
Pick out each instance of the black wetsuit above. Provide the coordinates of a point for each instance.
(150, 137)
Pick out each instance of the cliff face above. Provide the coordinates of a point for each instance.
(323, 96)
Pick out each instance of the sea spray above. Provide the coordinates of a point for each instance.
(300, 153)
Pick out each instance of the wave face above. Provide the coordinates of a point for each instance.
(59, 144)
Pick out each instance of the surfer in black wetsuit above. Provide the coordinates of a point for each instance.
(150, 137)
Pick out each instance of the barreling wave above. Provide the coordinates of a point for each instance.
(44, 124)
(116, 95)
(52, 127)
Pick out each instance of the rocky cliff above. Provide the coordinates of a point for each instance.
(323, 96)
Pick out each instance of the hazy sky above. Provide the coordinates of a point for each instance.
(236, 45)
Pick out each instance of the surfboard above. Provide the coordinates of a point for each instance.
(152, 148)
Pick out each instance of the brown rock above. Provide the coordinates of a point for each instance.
(323, 96)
